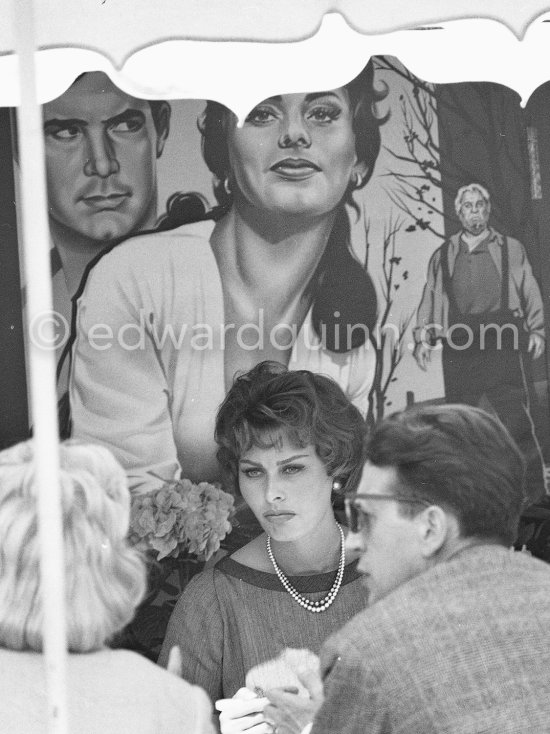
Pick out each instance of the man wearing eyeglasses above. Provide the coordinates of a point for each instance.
(455, 638)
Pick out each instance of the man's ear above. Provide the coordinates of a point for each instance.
(435, 527)
(162, 125)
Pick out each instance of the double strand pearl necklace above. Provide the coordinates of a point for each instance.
(321, 604)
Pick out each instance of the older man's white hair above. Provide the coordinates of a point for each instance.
(471, 188)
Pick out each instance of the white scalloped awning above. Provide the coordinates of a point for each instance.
(173, 50)
(117, 28)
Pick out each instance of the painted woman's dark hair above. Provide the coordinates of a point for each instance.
(183, 208)
(344, 297)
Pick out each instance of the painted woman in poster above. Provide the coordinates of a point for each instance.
(165, 321)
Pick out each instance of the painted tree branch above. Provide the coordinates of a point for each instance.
(388, 338)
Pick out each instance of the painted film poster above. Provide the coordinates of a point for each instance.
(390, 233)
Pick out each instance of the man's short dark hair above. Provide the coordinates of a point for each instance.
(157, 105)
(270, 402)
(458, 457)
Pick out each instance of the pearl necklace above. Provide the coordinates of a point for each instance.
(321, 604)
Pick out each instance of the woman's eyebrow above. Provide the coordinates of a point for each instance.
(311, 97)
(315, 95)
(292, 458)
(274, 98)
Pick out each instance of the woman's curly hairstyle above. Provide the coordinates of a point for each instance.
(104, 575)
(270, 402)
(343, 294)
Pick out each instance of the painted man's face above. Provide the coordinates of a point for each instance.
(474, 212)
(101, 149)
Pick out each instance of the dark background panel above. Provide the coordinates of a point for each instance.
(13, 388)
(537, 117)
(483, 138)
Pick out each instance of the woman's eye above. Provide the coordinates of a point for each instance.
(324, 113)
(260, 115)
(251, 473)
(292, 469)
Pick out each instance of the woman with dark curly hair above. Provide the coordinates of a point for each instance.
(166, 320)
(288, 441)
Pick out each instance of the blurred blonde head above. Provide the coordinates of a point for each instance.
(104, 575)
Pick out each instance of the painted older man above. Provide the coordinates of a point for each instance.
(483, 304)
(455, 635)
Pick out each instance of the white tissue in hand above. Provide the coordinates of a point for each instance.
(283, 671)
(243, 703)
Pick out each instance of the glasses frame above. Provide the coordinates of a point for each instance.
(354, 513)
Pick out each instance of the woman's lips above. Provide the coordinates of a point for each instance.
(295, 168)
(278, 518)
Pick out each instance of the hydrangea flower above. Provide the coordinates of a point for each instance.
(181, 517)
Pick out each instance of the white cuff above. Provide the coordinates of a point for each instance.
(307, 728)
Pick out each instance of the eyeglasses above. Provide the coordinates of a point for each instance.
(358, 519)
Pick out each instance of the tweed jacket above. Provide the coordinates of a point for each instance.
(524, 295)
(463, 648)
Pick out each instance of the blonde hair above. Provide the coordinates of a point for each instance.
(104, 575)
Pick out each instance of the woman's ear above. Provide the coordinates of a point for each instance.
(359, 174)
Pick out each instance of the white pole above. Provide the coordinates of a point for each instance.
(36, 246)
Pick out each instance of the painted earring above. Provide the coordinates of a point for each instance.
(358, 180)
(227, 186)
(336, 486)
